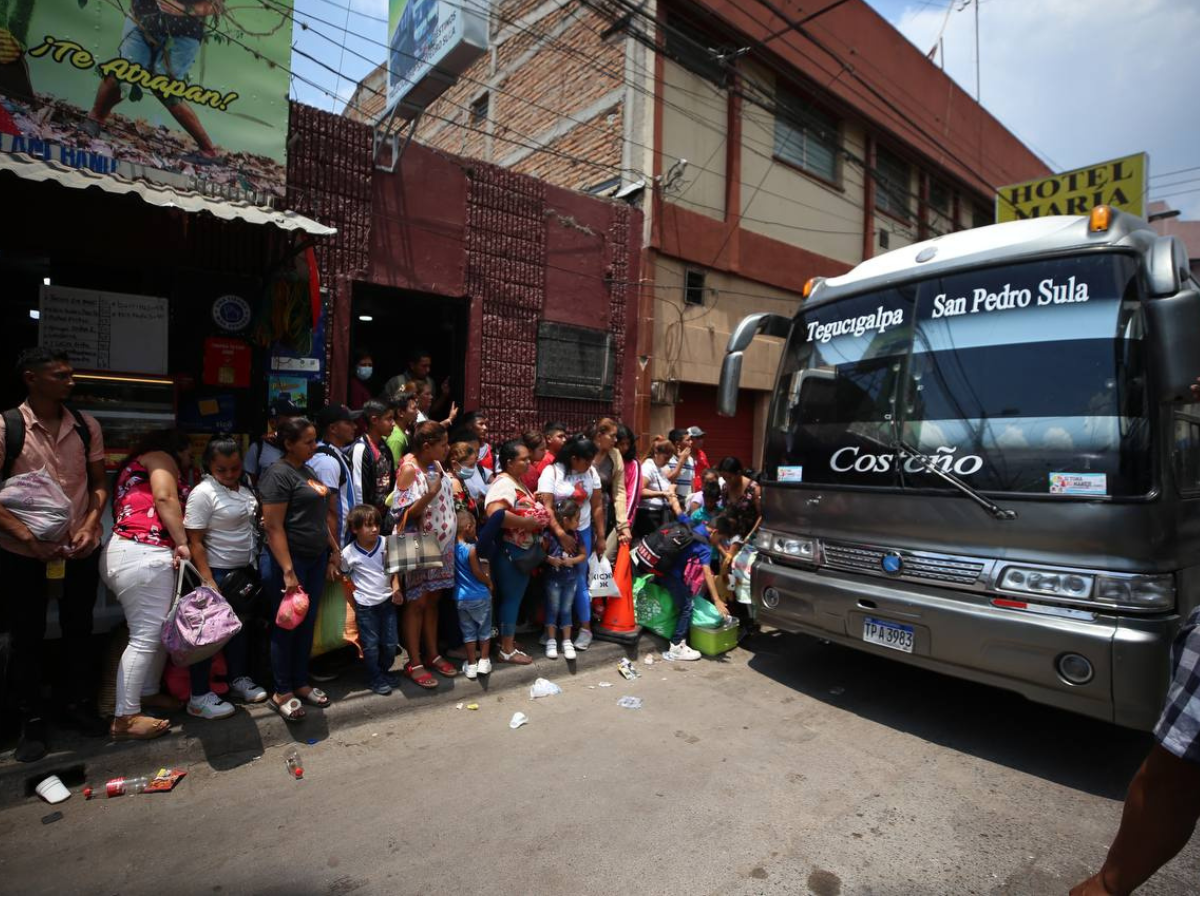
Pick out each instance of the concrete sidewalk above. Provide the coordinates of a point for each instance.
(228, 743)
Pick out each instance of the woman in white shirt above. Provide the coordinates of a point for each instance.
(573, 475)
(658, 493)
(222, 530)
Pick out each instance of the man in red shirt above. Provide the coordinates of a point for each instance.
(70, 446)
(698, 456)
(555, 434)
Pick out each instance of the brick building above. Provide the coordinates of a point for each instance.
(770, 150)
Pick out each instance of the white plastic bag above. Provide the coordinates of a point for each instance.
(600, 578)
(37, 500)
(543, 688)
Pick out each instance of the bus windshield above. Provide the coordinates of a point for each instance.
(1024, 378)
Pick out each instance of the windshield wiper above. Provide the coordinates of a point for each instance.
(1004, 515)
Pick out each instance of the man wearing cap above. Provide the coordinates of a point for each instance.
(699, 457)
(263, 452)
(335, 430)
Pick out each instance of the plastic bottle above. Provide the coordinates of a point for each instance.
(116, 787)
(56, 574)
(294, 765)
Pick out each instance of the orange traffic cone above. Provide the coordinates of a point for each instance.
(619, 624)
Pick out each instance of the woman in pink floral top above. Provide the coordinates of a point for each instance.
(139, 562)
(424, 491)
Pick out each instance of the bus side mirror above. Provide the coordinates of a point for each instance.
(1174, 353)
(731, 366)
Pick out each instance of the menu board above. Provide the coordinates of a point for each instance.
(106, 331)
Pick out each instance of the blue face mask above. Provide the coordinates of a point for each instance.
(465, 473)
(364, 372)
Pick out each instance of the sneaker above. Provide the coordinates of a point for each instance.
(485, 666)
(568, 650)
(551, 649)
(382, 688)
(471, 670)
(210, 706)
(681, 652)
(584, 640)
(246, 690)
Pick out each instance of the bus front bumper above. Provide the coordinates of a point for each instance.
(962, 634)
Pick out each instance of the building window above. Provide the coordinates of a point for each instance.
(893, 179)
(479, 109)
(981, 216)
(693, 288)
(695, 50)
(806, 137)
(939, 197)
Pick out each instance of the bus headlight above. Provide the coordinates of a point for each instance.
(1141, 591)
(1068, 585)
(799, 548)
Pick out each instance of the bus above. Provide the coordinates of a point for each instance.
(983, 458)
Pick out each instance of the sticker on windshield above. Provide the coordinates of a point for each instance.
(1079, 483)
(981, 300)
(790, 473)
(878, 322)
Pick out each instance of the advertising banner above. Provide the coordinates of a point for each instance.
(430, 43)
(1120, 183)
(191, 93)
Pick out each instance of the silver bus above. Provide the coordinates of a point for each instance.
(983, 458)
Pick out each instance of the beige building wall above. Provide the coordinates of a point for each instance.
(690, 341)
(695, 126)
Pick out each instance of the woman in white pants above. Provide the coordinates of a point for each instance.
(139, 563)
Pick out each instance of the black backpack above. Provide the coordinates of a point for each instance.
(658, 551)
(14, 436)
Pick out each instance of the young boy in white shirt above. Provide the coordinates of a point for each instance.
(376, 596)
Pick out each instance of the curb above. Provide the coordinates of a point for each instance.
(234, 741)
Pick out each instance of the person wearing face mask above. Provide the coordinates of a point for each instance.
(462, 460)
(221, 523)
(360, 384)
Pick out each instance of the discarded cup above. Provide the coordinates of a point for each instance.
(630, 702)
(518, 720)
(543, 688)
(52, 790)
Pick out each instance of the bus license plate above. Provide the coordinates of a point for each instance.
(888, 634)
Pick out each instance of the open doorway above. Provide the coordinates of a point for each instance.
(392, 323)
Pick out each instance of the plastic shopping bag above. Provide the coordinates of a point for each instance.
(600, 578)
(39, 502)
(292, 609)
(653, 606)
(705, 614)
(336, 625)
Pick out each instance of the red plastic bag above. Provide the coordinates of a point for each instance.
(292, 609)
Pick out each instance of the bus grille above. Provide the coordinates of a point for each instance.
(917, 566)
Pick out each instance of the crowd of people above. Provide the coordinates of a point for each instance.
(508, 530)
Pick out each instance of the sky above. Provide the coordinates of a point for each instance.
(1079, 81)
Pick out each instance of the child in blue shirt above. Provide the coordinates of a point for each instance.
(561, 578)
(473, 594)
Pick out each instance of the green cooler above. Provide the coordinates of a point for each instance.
(714, 641)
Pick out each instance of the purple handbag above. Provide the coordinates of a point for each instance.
(199, 624)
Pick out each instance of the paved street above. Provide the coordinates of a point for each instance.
(794, 767)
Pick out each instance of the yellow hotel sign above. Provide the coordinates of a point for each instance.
(1119, 182)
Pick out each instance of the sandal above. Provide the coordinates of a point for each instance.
(442, 667)
(315, 697)
(289, 710)
(517, 658)
(138, 728)
(424, 680)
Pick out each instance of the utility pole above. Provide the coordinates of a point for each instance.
(977, 51)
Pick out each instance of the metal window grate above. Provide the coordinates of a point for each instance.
(575, 363)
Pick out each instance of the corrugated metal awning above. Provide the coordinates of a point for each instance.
(32, 169)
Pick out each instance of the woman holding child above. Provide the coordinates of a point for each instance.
(524, 520)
